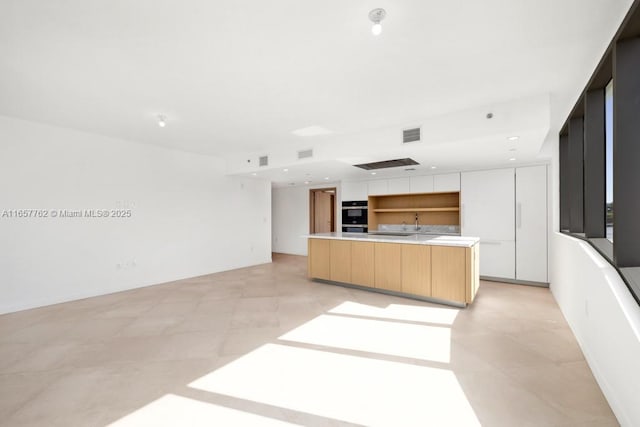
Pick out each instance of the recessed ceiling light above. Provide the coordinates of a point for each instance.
(373, 173)
(162, 121)
(513, 138)
(254, 174)
(285, 170)
(307, 182)
(512, 159)
(326, 178)
(433, 167)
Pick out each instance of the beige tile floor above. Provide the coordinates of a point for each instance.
(265, 346)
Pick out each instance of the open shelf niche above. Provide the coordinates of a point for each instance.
(432, 209)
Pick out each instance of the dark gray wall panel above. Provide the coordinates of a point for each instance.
(565, 218)
(626, 153)
(594, 164)
(576, 175)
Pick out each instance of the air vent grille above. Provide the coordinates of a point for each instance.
(263, 161)
(410, 135)
(387, 164)
(305, 154)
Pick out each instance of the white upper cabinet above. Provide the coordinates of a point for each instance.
(377, 187)
(446, 182)
(421, 184)
(398, 186)
(531, 223)
(353, 190)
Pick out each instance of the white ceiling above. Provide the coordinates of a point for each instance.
(235, 78)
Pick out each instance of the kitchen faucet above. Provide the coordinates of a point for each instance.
(417, 226)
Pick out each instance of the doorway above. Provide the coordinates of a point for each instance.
(322, 210)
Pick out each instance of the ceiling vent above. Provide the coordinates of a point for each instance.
(387, 164)
(305, 154)
(410, 135)
(263, 161)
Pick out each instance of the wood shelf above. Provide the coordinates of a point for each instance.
(431, 208)
(451, 209)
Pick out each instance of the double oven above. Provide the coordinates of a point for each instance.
(354, 217)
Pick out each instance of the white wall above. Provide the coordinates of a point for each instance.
(290, 213)
(601, 312)
(605, 319)
(188, 218)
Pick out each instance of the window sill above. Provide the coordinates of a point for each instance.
(630, 275)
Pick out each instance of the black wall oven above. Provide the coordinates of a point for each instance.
(354, 217)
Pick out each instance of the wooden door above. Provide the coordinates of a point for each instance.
(322, 211)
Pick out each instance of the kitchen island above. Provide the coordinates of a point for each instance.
(435, 268)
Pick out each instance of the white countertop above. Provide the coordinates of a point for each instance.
(416, 239)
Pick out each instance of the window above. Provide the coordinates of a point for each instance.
(608, 102)
(592, 172)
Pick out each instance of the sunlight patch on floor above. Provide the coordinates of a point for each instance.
(422, 342)
(411, 313)
(343, 387)
(171, 410)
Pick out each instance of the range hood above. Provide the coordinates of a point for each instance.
(385, 164)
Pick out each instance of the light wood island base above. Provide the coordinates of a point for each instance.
(437, 273)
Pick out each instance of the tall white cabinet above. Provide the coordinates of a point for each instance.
(488, 212)
(507, 209)
(531, 223)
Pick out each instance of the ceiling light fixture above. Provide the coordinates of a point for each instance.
(373, 173)
(512, 159)
(307, 182)
(513, 138)
(162, 121)
(326, 178)
(285, 170)
(433, 167)
(254, 174)
(377, 15)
